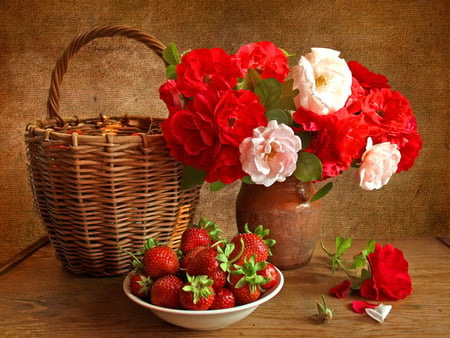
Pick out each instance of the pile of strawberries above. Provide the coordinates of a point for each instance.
(207, 271)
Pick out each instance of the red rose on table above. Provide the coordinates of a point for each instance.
(390, 278)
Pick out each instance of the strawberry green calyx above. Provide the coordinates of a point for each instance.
(224, 255)
(136, 262)
(212, 228)
(261, 233)
(150, 243)
(199, 286)
(249, 271)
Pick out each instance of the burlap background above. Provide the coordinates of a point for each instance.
(406, 40)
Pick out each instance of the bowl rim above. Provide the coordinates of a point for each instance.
(269, 294)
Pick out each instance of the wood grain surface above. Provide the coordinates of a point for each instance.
(39, 298)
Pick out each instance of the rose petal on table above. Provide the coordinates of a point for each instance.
(340, 290)
(359, 306)
(380, 312)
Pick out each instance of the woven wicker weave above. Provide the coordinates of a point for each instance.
(102, 183)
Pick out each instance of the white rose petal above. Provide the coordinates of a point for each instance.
(380, 312)
(324, 81)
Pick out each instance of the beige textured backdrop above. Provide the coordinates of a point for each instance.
(406, 40)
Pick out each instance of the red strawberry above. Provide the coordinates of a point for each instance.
(160, 260)
(165, 292)
(140, 285)
(246, 294)
(190, 256)
(197, 293)
(223, 299)
(219, 277)
(245, 282)
(201, 234)
(194, 237)
(204, 262)
(271, 274)
(251, 244)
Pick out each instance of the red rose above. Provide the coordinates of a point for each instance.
(386, 109)
(340, 290)
(390, 278)
(390, 119)
(226, 167)
(207, 69)
(337, 140)
(171, 96)
(266, 58)
(366, 78)
(237, 114)
(190, 133)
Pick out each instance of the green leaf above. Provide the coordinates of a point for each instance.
(281, 116)
(171, 55)
(287, 96)
(370, 246)
(216, 186)
(322, 192)
(251, 79)
(305, 137)
(171, 72)
(269, 92)
(247, 179)
(309, 167)
(192, 177)
(343, 246)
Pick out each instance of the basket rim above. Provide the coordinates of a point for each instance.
(51, 131)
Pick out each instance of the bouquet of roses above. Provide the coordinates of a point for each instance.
(250, 116)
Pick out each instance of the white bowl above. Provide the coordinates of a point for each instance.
(208, 319)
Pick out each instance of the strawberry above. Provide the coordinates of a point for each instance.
(219, 277)
(165, 292)
(271, 274)
(204, 262)
(250, 244)
(245, 282)
(185, 261)
(223, 299)
(197, 293)
(201, 234)
(159, 260)
(140, 285)
(246, 294)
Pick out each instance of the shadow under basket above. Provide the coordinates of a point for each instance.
(105, 185)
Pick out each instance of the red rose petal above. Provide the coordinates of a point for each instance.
(359, 306)
(340, 290)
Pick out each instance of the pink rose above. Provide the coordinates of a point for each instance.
(379, 163)
(271, 154)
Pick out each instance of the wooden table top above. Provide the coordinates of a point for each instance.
(39, 298)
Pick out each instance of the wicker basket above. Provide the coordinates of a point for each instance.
(104, 183)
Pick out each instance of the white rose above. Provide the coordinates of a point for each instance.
(379, 163)
(324, 81)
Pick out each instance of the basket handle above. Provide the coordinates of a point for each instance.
(83, 39)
